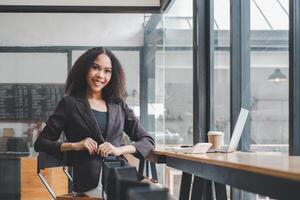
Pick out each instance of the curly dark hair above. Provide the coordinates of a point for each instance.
(76, 84)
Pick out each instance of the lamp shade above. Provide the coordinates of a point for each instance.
(277, 76)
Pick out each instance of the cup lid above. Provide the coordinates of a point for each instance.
(215, 133)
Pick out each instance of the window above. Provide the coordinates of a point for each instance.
(269, 75)
(221, 80)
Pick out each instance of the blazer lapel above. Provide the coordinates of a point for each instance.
(85, 111)
(112, 112)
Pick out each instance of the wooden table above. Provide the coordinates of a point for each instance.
(270, 174)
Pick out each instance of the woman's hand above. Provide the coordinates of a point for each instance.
(107, 148)
(88, 144)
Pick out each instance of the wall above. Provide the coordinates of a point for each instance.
(42, 29)
(36, 29)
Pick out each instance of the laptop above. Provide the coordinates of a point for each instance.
(236, 135)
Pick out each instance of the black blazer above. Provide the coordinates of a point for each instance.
(74, 116)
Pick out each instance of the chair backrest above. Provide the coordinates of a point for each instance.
(107, 171)
(45, 161)
(144, 193)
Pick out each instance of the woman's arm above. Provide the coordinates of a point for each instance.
(144, 143)
(127, 149)
(107, 148)
(86, 144)
(47, 141)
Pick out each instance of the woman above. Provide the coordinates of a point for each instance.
(93, 116)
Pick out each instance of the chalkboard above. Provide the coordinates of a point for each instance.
(29, 101)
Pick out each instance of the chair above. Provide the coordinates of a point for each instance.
(49, 161)
(45, 161)
(148, 194)
(140, 163)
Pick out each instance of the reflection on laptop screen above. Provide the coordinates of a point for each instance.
(238, 130)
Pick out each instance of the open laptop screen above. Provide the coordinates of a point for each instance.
(238, 130)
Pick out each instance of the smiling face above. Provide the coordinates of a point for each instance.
(99, 74)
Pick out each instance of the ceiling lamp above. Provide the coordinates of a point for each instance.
(277, 76)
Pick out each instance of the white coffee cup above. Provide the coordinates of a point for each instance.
(215, 138)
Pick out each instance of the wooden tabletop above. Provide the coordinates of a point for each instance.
(272, 164)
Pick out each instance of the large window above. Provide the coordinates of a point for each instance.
(169, 60)
(178, 60)
(173, 76)
(221, 94)
(269, 75)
